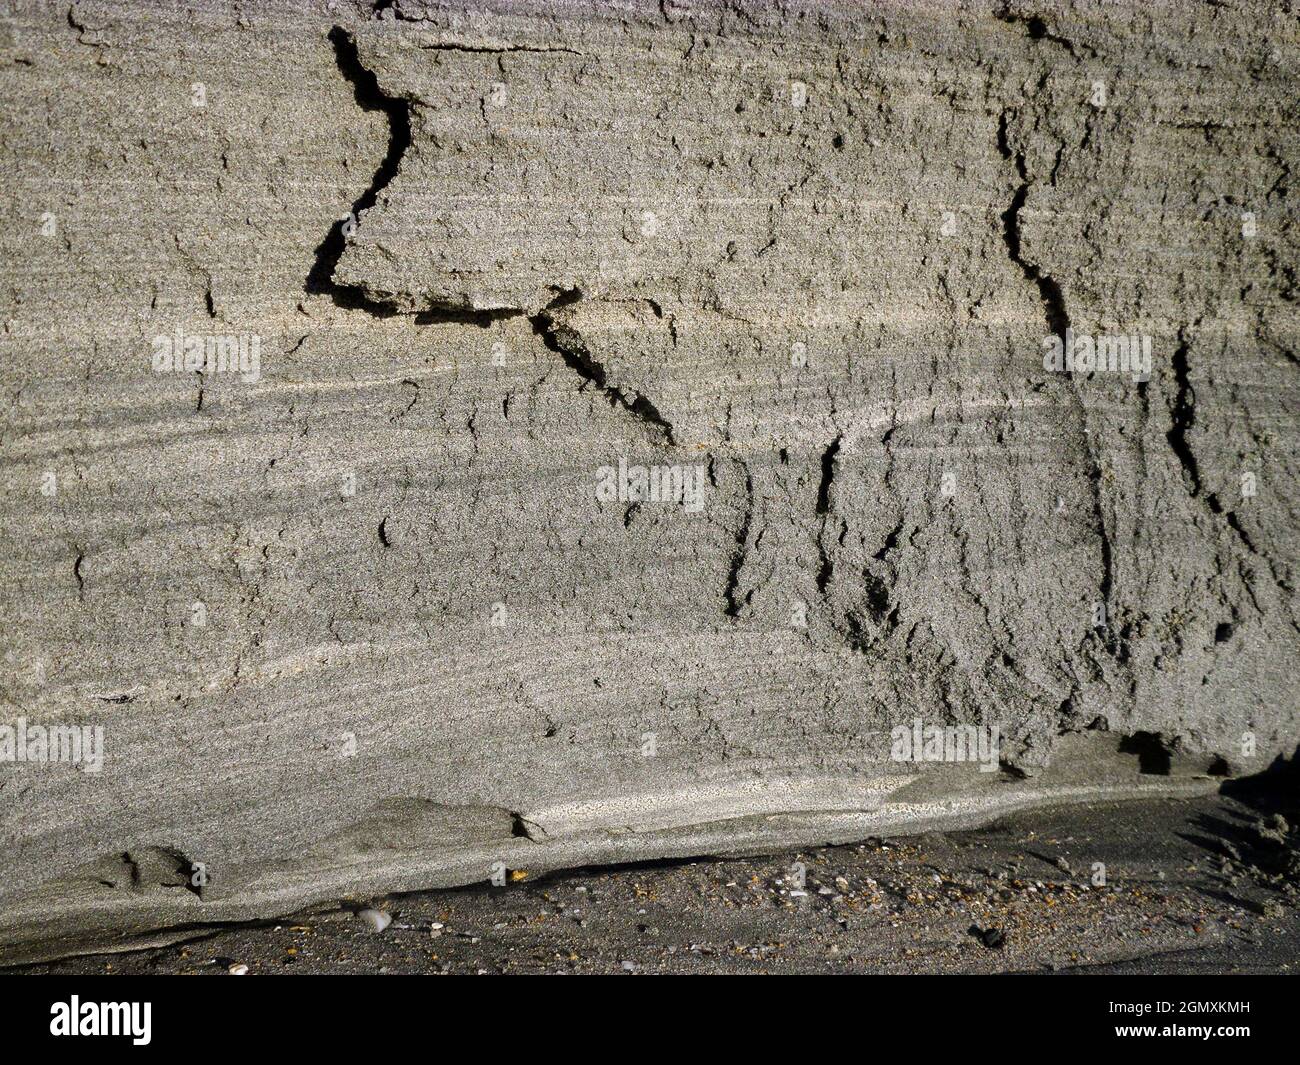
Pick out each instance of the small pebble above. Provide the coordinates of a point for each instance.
(993, 938)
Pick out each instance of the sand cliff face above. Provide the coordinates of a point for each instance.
(466, 437)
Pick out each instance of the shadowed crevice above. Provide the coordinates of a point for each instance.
(569, 345)
(730, 590)
(829, 458)
(369, 97)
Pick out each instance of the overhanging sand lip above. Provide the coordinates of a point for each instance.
(713, 801)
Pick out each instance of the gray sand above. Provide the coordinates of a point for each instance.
(366, 596)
